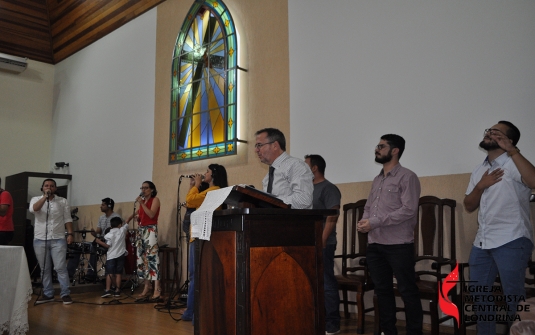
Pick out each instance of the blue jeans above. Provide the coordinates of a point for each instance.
(56, 254)
(510, 262)
(385, 261)
(190, 304)
(330, 287)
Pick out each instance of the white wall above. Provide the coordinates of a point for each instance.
(104, 113)
(26, 119)
(436, 72)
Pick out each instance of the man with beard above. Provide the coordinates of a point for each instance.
(390, 215)
(501, 187)
(52, 218)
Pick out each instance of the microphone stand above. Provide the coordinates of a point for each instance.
(134, 279)
(183, 290)
(46, 249)
(169, 304)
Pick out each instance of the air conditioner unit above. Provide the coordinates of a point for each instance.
(13, 63)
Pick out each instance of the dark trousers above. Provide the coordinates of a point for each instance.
(330, 287)
(6, 237)
(384, 262)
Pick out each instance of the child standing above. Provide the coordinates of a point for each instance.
(115, 243)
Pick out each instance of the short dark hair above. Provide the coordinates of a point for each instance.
(273, 134)
(109, 202)
(512, 132)
(395, 141)
(152, 187)
(115, 221)
(48, 179)
(317, 160)
(219, 175)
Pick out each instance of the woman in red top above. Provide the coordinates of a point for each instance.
(148, 260)
(6, 216)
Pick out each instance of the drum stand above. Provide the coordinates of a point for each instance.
(133, 282)
(102, 260)
(80, 270)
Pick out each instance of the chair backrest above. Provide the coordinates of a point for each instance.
(353, 243)
(434, 234)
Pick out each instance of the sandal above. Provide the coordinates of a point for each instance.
(157, 297)
(143, 295)
(142, 299)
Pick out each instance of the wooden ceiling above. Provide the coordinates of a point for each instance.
(51, 30)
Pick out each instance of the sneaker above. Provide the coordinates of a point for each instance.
(44, 299)
(187, 316)
(107, 294)
(66, 299)
(332, 331)
(117, 294)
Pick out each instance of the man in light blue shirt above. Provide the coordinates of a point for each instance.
(500, 187)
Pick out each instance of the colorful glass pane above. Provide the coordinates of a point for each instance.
(203, 85)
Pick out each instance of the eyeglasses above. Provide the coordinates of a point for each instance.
(260, 145)
(493, 131)
(144, 187)
(381, 146)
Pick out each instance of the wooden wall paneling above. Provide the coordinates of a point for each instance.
(51, 30)
(25, 29)
(86, 24)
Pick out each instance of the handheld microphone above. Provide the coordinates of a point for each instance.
(141, 195)
(191, 176)
(47, 194)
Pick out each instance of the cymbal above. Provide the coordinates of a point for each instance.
(83, 231)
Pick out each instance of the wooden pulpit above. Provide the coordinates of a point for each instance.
(261, 272)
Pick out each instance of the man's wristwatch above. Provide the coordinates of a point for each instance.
(513, 152)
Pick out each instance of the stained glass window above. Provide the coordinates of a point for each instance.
(203, 85)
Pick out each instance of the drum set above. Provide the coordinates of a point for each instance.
(92, 256)
(85, 251)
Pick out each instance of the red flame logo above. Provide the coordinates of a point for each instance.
(448, 307)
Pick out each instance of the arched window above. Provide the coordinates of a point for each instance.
(203, 85)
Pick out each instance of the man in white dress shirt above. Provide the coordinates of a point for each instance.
(52, 218)
(289, 178)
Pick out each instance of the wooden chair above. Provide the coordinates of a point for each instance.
(354, 276)
(433, 239)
